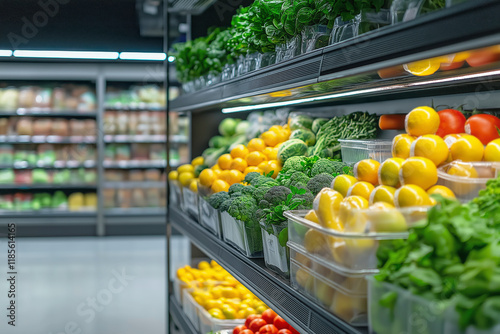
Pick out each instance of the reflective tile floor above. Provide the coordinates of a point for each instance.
(112, 285)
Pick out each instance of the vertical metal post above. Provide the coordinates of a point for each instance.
(189, 35)
(101, 92)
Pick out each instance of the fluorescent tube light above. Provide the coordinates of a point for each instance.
(5, 53)
(66, 54)
(171, 59)
(143, 56)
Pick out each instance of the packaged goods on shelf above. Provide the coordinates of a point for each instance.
(135, 97)
(33, 126)
(48, 202)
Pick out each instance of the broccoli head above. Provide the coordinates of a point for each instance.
(296, 179)
(263, 204)
(276, 195)
(259, 215)
(226, 204)
(236, 187)
(262, 181)
(327, 166)
(250, 176)
(319, 182)
(243, 208)
(259, 193)
(307, 199)
(248, 190)
(294, 164)
(217, 199)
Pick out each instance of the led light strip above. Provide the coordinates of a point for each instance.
(5, 53)
(358, 92)
(143, 56)
(154, 56)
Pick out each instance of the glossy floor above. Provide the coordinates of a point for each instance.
(113, 285)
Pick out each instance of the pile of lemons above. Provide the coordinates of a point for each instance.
(185, 174)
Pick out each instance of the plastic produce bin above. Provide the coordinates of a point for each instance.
(354, 250)
(357, 150)
(276, 256)
(176, 197)
(405, 10)
(209, 217)
(179, 287)
(467, 188)
(342, 30)
(246, 239)
(315, 37)
(190, 203)
(266, 59)
(347, 306)
(293, 47)
(190, 308)
(210, 324)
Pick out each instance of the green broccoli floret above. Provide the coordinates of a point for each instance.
(226, 204)
(264, 204)
(296, 179)
(250, 176)
(259, 215)
(276, 195)
(248, 190)
(237, 187)
(217, 199)
(263, 181)
(307, 199)
(243, 208)
(259, 193)
(319, 182)
(294, 164)
(327, 166)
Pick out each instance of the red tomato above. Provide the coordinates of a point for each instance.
(280, 323)
(284, 331)
(451, 66)
(239, 329)
(484, 127)
(293, 330)
(391, 72)
(256, 324)
(269, 315)
(483, 56)
(451, 121)
(251, 318)
(268, 329)
(246, 331)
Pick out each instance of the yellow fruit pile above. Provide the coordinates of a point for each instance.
(220, 293)
(185, 174)
(260, 155)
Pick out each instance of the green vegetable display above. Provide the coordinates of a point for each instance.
(291, 148)
(307, 136)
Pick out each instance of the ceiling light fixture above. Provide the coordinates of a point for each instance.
(5, 53)
(66, 54)
(158, 56)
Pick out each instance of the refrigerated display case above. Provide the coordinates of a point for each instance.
(374, 72)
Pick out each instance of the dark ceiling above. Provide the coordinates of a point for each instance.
(97, 25)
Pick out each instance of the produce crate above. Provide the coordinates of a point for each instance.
(357, 150)
(190, 308)
(179, 287)
(467, 188)
(190, 203)
(315, 37)
(333, 297)
(276, 256)
(411, 313)
(209, 217)
(176, 197)
(352, 251)
(246, 239)
(210, 324)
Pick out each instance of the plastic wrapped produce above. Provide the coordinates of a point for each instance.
(37, 176)
(152, 175)
(124, 198)
(59, 98)
(136, 175)
(110, 152)
(60, 127)
(42, 127)
(90, 127)
(109, 123)
(26, 97)
(43, 98)
(9, 98)
(7, 176)
(109, 198)
(24, 126)
(90, 201)
(6, 154)
(75, 201)
(138, 198)
(133, 121)
(122, 153)
(153, 197)
(46, 154)
(77, 127)
(87, 101)
(4, 125)
(122, 123)
(59, 201)
(140, 151)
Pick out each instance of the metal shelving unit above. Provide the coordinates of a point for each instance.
(50, 113)
(180, 318)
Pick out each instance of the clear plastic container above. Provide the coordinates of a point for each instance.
(228, 72)
(251, 62)
(247, 239)
(467, 188)
(240, 66)
(276, 255)
(315, 37)
(190, 202)
(210, 324)
(209, 217)
(369, 20)
(190, 308)
(280, 52)
(348, 307)
(266, 59)
(179, 287)
(405, 10)
(356, 150)
(176, 197)
(293, 47)
(354, 250)
(342, 30)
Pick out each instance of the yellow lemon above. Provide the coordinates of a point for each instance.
(193, 186)
(220, 185)
(203, 265)
(173, 175)
(314, 241)
(361, 188)
(424, 67)
(441, 190)
(272, 166)
(383, 194)
(239, 164)
(350, 203)
(411, 195)
(418, 171)
(216, 313)
(239, 151)
(225, 161)
(463, 169)
(367, 170)
(256, 144)
(271, 138)
(229, 312)
(207, 177)
(388, 173)
(185, 178)
(185, 168)
(431, 147)
(401, 145)
(491, 152)
(342, 183)
(311, 216)
(422, 121)
(467, 148)
(197, 161)
(451, 138)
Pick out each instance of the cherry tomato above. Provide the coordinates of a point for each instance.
(284, 331)
(256, 324)
(483, 56)
(451, 66)
(246, 331)
(451, 121)
(239, 329)
(269, 315)
(268, 329)
(251, 318)
(280, 323)
(484, 127)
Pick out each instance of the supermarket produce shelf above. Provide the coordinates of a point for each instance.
(50, 113)
(55, 165)
(47, 186)
(51, 217)
(386, 47)
(272, 289)
(180, 318)
(135, 216)
(128, 164)
(47, 139)
(134, 184)
(135, 139)
(138, 107)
